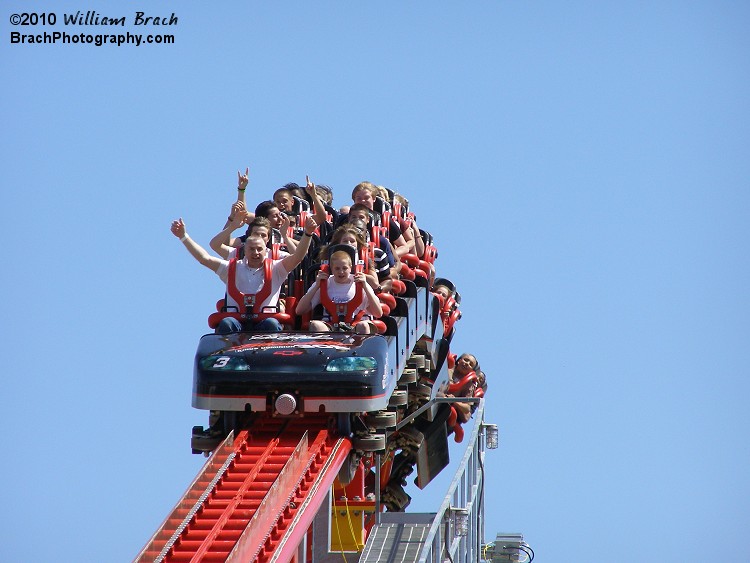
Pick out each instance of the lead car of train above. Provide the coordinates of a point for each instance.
(377, 389)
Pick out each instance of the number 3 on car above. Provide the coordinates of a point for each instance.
(221, 361)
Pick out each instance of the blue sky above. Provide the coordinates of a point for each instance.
(582, 165)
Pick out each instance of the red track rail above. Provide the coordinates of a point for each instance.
(255, 498)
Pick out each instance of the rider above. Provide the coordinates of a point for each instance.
(253, 275)
(341, 288)
(466, 364)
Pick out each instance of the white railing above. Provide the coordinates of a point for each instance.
(456, 530)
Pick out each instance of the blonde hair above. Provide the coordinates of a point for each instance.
(398, 198)
(341, 255)
(338, 234)
(369, 186)
(349, 229)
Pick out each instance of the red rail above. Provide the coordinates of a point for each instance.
(256, 497)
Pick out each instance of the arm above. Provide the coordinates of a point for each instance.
(242, 182)
(396, 238)
(198, 252)
(305, 303)
(412, 235)
(320, 210)
(291, 244)
(293, 260)
(372, 278)
(222, 243)
(393, 259)
(400, 246)
(387, 247)
(373, 303)
(406, 232)
(418, 240)
(463, 410)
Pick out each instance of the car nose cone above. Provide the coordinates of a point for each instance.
(285, 404)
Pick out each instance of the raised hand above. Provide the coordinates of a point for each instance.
(286, 222)
(310, 187)
(178, 228)
(238, 214)
(310, 226)
(243, 181)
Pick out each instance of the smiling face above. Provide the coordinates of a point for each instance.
(255, 251)
(274, 217)
(284, 201)
(465, 364)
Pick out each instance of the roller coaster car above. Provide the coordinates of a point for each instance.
(246, 376)
(290, 373)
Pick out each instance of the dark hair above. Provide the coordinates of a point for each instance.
(359, 224)
(283, 190)
(328, 197)
(476, 367)
(362, 207)
(481, 377)
(325, 188)
(264, 208)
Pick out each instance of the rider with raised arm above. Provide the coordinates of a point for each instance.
(288, 205)
(224, 244)
(239, 205)
(251, 277)
(239, 215)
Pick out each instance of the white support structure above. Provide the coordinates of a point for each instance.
(455, 532)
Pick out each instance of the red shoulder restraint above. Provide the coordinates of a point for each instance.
(252, 302)
(367, 253)
(275, 249)
(342, 312)
(462, 385)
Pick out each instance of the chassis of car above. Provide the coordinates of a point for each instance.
(292, 372)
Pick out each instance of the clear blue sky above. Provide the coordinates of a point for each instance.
(583, 167)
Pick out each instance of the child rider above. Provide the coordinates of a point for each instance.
(342, 286)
